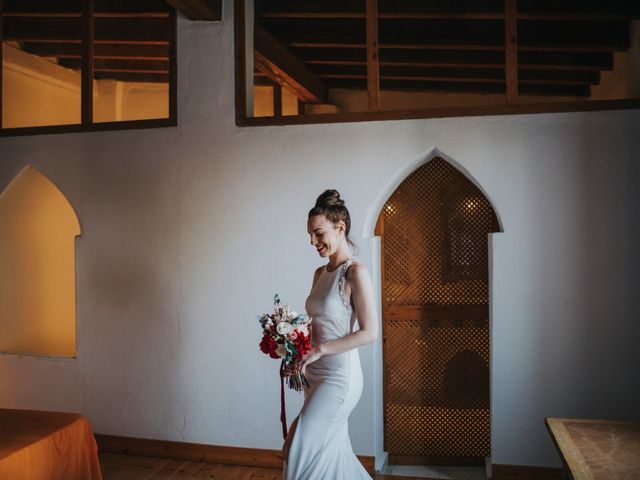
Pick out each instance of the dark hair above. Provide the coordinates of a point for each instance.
(332, 206)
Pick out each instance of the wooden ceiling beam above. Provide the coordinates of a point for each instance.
(423, 78)
(464, 87)
(101, 51)
(208, 10)
(384, 15)
(273, 59)
(61, 6)
(431, 86)
(146, 66)
(535, 77)
(70, 29)
(581, 17)
(132, 70)
(96, 42)
(373, 67)
(572, 48)
(463, 47)
(132, 77)
(79, 15)
(511, 51)
(521, 66)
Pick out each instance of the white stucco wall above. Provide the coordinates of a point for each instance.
(189, 231)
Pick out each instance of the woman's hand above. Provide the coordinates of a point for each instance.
(314, 354)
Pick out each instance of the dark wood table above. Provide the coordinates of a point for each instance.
(597, 449)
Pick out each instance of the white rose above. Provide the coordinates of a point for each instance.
(294, 314)
(280, 351)
(284, 328)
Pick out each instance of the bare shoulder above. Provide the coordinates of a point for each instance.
(317, 273)
(357, 272)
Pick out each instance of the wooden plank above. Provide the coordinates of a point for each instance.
(400, 46)
(35, 6)
(579, 17)
(113, 42)
(198, 452)
(511, 51)
(405, 64)
(95, 14)
(130, 467)
(585, 17)
(133, 77)
(277, 100)
(373, 68)
(208, 10)
(239, 49)
(387, 15)
(71, 29)
(273, 59)
(1, 59)
(473, 66)
(131, 70)
(173, 68)
(444, 58)
(443, 112)
(101, 51)
(462, 47)
(86, 91)
(424, 78)
(128, 65)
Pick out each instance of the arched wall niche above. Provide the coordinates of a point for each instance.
(38, 227)
(376, 252)
(393, 184)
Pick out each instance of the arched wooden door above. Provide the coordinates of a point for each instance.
(435, 308)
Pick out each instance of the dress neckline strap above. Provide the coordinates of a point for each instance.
(344, 264)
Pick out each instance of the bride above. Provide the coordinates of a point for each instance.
(317, 446)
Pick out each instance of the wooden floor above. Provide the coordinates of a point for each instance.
(129, 467)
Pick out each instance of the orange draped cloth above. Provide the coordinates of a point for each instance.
(39, 445)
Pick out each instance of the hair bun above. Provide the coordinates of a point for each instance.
(329, 198)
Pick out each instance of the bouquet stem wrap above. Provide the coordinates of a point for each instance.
(283, 413)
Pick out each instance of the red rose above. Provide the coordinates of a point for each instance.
(302, 345)
(268, 345)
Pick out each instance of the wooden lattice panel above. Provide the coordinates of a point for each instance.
(435, 237)
(435, 306)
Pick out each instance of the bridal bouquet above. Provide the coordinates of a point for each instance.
(285, 335)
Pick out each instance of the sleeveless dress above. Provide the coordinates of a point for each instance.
(320, 448)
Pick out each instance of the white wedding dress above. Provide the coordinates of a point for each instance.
(320, 448)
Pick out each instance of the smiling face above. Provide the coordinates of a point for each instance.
(325, 236)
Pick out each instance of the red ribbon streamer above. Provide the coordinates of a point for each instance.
(283, 413)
